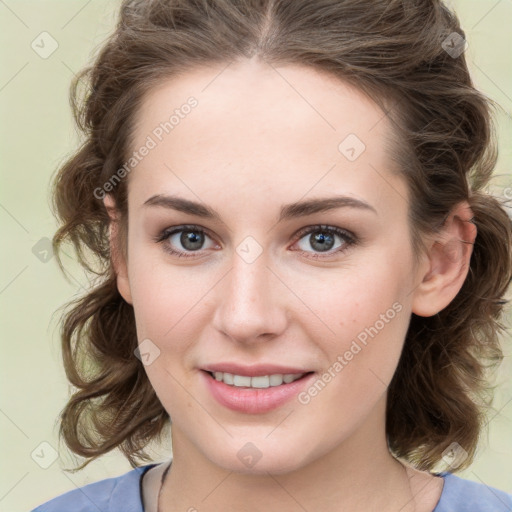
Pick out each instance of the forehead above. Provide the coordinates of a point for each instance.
(255, 128)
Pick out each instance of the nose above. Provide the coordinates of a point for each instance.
(250, 302)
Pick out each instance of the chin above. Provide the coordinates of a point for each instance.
(251, 460)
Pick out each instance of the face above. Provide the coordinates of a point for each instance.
(244, 283)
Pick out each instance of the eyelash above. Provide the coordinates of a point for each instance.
(349, 239)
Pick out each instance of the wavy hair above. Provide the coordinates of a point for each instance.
(444, 145)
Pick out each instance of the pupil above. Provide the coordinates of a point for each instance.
(326, 242)
(191, 240)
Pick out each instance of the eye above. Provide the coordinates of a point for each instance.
(184, 241)
(323, 238)
(191, 238)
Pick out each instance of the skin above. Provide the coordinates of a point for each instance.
(259, 138)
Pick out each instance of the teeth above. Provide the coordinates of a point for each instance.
(276, 380)
(240, 381)
(263, 381)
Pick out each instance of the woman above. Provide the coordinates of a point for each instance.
(299, 266)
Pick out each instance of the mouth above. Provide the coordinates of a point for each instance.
(256, 382)
(254, 394)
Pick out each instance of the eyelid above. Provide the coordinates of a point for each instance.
(166, 233)
(350, 238)
(325, 227)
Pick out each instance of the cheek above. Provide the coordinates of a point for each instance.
(348, 299)
(167, 307)
(165, 297)
(365, 310)
(360, 364)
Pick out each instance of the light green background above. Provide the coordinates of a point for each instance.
(36, 136)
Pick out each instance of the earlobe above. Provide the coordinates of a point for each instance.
(118, 260)
(449, 258)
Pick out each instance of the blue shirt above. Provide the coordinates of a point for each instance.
(124, 494)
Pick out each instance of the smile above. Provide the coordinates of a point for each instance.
(259, 382)
(256, 394)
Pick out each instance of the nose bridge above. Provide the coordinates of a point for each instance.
(247, 304)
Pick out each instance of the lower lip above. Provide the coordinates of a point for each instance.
(254, 400)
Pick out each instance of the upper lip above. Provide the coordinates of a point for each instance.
(254, 370)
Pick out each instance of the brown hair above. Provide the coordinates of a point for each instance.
(444, 147)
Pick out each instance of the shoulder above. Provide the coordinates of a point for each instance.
(460, 495)
(106, 495)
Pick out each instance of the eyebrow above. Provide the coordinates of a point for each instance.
(288, 211)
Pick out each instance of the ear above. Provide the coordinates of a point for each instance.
(118, 260)
(448, 262)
